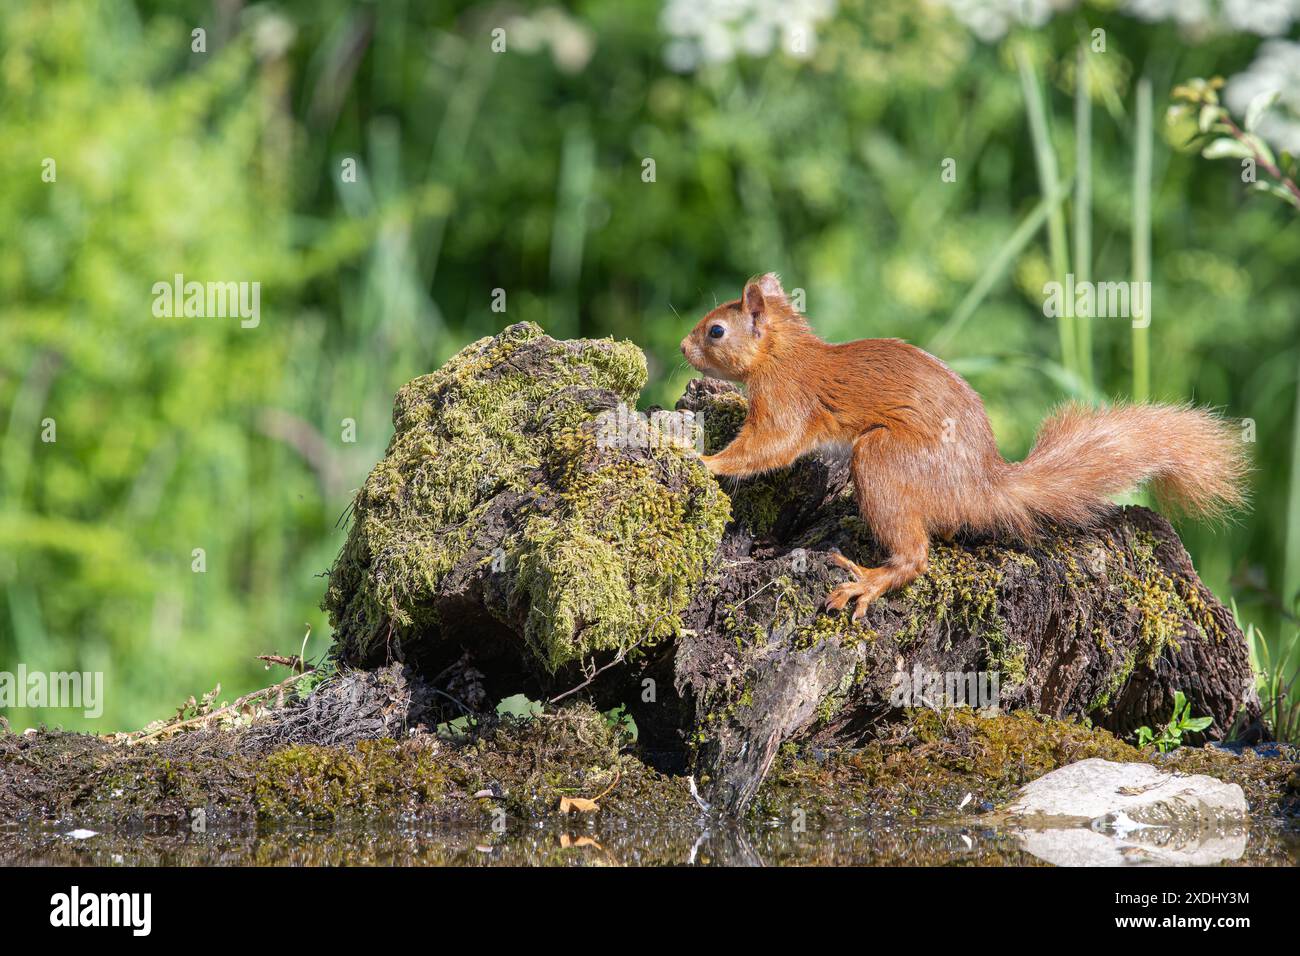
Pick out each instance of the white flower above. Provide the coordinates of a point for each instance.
(717, 31)
(1276, 67)
(1262, 17)
(991, 19)
(1268, 18)
(755, 39)
(1186, 13)
(571, 43)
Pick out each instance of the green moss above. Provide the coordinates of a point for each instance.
(528, 765)
(927, 764)
(1119, 677)
(1163, 605)
(919, 768)
(323, 783)
(961, 587)
(756, 502)
(960, 584)
(621, 553)
(611, 559)
(722, 417)
(1152, 593)
(841, 626)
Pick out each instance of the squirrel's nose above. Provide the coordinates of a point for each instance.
(683, 346)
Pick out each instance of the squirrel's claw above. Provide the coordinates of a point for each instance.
(853, 569)
(838, 598)
(850, 591)
(862, 590)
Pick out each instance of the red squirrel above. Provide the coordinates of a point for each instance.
(924, 460)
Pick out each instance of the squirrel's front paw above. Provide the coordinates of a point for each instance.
(711, 463)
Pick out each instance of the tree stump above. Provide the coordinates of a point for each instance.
(526, 519)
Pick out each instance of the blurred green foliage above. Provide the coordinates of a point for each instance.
(523, 171)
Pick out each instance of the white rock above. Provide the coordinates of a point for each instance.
(1099, 813)
(1112, 795)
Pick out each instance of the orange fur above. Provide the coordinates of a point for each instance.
(924, 460)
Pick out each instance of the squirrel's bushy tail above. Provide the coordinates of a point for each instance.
(1193, 458)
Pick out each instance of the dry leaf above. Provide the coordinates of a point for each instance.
(578, 804)
(567, 841)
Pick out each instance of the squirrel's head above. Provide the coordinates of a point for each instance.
(734, 339)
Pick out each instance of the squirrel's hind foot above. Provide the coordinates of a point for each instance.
(867, 585)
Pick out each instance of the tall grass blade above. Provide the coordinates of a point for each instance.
(1083, 203)
(1049, 184)
(1142, 235)
(993, 271)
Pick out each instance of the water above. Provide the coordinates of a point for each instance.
(593, 842)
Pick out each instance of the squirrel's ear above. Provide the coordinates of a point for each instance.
(761, 294)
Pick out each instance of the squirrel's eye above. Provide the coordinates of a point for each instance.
(716, 332)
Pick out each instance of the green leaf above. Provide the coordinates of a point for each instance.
(1273, 189)
(453, 729)
(1208, 117)
(1258, 107)
(621, 720)
(1226, 148)
(520, 706)
(1197, 724)
(1260, 147)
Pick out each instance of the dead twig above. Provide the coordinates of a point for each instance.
(201, 718)
(618, 775)
(292, 661)
(618, 659)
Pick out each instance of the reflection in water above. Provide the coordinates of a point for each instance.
(621, 843)
(1159, 846)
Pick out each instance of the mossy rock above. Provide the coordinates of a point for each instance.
(505, 507)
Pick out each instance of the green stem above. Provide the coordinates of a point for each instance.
(1049, 184)
(1291, 552)
(1142, 237)
(1012, 247)
(1083, 204)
